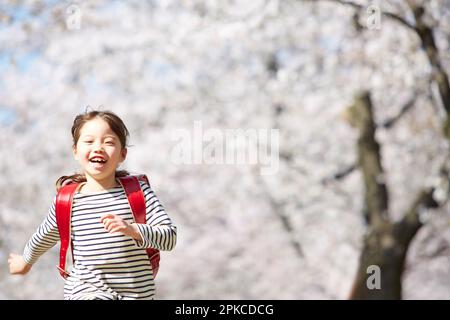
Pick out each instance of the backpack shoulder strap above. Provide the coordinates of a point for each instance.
(136, 199)
(63, 210)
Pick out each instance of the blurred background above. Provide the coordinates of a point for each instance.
(356, 91)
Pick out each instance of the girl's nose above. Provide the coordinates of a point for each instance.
(98, 147)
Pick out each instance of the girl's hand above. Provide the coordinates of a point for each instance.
(114, 223)
(17, 264)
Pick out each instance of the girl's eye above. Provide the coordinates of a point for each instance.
(88, 141)
(110, 142)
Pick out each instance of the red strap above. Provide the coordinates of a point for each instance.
(63, 213)
(137, 203)
(135, 197)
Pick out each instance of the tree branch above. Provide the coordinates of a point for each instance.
(277, 208)
(406, 107)
(369, 160)
(425, 33)
(340, 174)
(432, 197)
(388, 124)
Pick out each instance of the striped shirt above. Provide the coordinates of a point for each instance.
(107, 265)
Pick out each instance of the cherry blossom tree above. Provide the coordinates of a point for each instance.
(295, 66)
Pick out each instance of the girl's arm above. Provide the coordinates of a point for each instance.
(159, 232)
(45, 237)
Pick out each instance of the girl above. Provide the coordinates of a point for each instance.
(110, 261)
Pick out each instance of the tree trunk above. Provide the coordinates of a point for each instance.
(386, 243)
(385, 251)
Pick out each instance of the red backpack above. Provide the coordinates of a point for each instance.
(63, 210)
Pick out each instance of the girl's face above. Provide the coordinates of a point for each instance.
(98, 149)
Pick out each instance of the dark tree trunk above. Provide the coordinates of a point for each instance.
(380, 249)
(386, 243)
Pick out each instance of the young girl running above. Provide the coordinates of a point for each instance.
(110, 260)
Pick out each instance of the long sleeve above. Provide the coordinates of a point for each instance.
(159, 232)
(44, 238)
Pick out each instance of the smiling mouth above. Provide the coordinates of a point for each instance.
(99, 161)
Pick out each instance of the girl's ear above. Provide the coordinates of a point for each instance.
(74, 151)
(123, 153)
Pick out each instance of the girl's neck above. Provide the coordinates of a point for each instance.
(93, 185)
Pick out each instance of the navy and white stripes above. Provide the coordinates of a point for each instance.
(107, 266)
